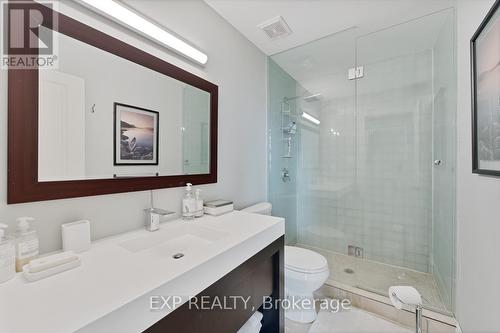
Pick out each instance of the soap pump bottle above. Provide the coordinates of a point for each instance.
(188, 203)
(199, 204)
(26, 242)
(7, 256)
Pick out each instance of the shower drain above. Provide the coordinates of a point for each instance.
(349, 270)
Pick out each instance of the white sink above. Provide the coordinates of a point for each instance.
(173, 240)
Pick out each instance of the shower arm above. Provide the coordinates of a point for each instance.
(308, 98)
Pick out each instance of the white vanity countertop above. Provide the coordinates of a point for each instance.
(111, 290)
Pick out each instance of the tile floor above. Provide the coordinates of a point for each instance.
(377, 277)
(348, 321)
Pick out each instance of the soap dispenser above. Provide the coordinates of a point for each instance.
(188, 203)
(7, 256)
(26, 242)
(199, 203)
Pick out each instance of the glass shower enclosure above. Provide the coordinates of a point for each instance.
(362, 154)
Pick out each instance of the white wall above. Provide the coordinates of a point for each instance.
(478, 208)
(235, 64)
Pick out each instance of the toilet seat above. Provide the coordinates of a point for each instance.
(304, 261)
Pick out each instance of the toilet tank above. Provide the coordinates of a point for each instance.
(264, 208)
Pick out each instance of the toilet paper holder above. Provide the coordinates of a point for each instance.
(406, 295)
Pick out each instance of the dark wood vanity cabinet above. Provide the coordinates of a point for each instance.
(257, 278)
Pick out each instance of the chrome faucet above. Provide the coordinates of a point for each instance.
(153, 216)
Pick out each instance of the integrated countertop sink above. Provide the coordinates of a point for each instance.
(111, 291)
(179, 239)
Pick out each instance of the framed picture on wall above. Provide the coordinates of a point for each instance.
(485, 71)
(136, 133)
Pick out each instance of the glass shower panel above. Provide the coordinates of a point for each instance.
(366, 177)
(282, 150)
(444, 155)
(394, 108)
(395, 101)
(325, 161)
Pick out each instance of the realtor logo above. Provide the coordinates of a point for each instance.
(28, 37)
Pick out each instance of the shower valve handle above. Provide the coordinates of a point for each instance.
(285, 175)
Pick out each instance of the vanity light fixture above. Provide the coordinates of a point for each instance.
(312, 119)
(131, 19)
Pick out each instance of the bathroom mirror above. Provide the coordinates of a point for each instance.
(108, 118)
(102, 116)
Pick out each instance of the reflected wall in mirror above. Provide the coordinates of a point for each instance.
(102, 116)
(64, 140)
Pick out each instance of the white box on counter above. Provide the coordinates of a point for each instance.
(218, 207)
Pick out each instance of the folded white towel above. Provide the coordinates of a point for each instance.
(51, 261)
(253, 325)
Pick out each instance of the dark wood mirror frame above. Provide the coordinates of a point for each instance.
(475, 139)
(23, 184)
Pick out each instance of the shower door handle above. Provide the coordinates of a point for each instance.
(438, 162)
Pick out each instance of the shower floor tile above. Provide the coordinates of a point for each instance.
(377, 277)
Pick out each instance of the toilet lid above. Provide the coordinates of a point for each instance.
(303, 260)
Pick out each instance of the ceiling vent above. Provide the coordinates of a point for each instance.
(275, 28)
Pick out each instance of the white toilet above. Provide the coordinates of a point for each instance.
(305, 272)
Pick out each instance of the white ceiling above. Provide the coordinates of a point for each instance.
(338, 29)
(313, 19)
(321, 66)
